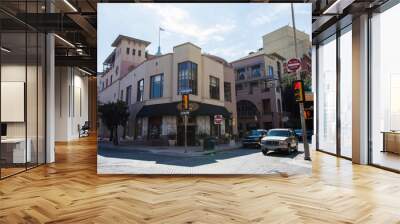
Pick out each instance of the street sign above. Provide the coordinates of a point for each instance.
(185, 113)
(293, 64)
(185, 91)
(218, 119)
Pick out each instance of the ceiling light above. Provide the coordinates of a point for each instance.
(5, 50)
(337, 7)
(86, 72)
(65, 41)
(70, 5)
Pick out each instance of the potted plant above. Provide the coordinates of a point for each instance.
(172, 139)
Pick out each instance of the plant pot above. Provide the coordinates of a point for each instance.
(201, 141)
(171, 142)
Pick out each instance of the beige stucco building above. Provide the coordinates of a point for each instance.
(281, 41)
(151, 86)
(258, 92)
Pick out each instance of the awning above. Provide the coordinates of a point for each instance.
(171, 109)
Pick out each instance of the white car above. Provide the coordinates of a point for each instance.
(282, 139)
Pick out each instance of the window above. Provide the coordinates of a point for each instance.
(385, 89)
(252, 86)
(255, 71)
(156, 86)
(266, 106)
(128, 95)
(227, 91)
(140, 90)
(111, 80)
(240, 74)
(122, 95)
(139, 53)
(278, 65)
(279, 105)
(127, 51)
(133, 51)
(106, 82)
(102, 84)
(187, 77)
(239, 87)
(327, 98)
(214, 88)
(270, 71)
(116, 71)
(346, 94)
(265, 86)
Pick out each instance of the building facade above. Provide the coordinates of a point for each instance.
(258, 92)
(152, 89)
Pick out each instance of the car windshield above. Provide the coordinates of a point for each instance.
(279, 133)
(255, 132)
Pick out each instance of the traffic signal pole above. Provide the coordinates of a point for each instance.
(301, 104)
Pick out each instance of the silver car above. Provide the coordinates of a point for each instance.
(282, 139)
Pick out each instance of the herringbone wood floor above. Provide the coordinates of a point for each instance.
(70, 191)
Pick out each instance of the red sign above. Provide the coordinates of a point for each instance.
(294, 64)
(218, 119)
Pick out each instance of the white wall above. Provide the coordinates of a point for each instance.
(71, 103)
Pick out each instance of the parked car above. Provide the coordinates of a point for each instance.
(283, 140)
(299, 134)
(254, 138)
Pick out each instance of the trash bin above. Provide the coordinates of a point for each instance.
(209, 143)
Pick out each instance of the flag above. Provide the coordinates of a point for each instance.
(161, 29)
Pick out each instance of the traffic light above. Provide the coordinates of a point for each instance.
(298, 90)
(185, 102)
(308, 114)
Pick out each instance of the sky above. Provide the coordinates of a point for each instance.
(227, 30)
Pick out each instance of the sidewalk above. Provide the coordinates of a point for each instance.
(173, 151)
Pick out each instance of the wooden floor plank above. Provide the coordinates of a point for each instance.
(70, 191)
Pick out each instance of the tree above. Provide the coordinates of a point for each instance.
(114, 115)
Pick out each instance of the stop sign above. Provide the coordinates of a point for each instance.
(293, 64)
(218, 119)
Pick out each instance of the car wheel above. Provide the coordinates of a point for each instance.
(296, 148)
(289, 149)
(264, 152)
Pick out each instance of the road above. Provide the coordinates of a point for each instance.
(238, 161)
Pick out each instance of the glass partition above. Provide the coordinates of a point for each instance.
(22, 77)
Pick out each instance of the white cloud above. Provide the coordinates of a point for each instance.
(230, 53)
(262, 17)
(176, 20)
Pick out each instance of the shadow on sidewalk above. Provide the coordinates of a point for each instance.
(170, 159)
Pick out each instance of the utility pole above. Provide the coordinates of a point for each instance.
(301, 104)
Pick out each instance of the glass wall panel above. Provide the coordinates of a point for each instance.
(41, 98)
(13, 86)
(385, 89)
(346, 93)
(31, 98)
(327, 95)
